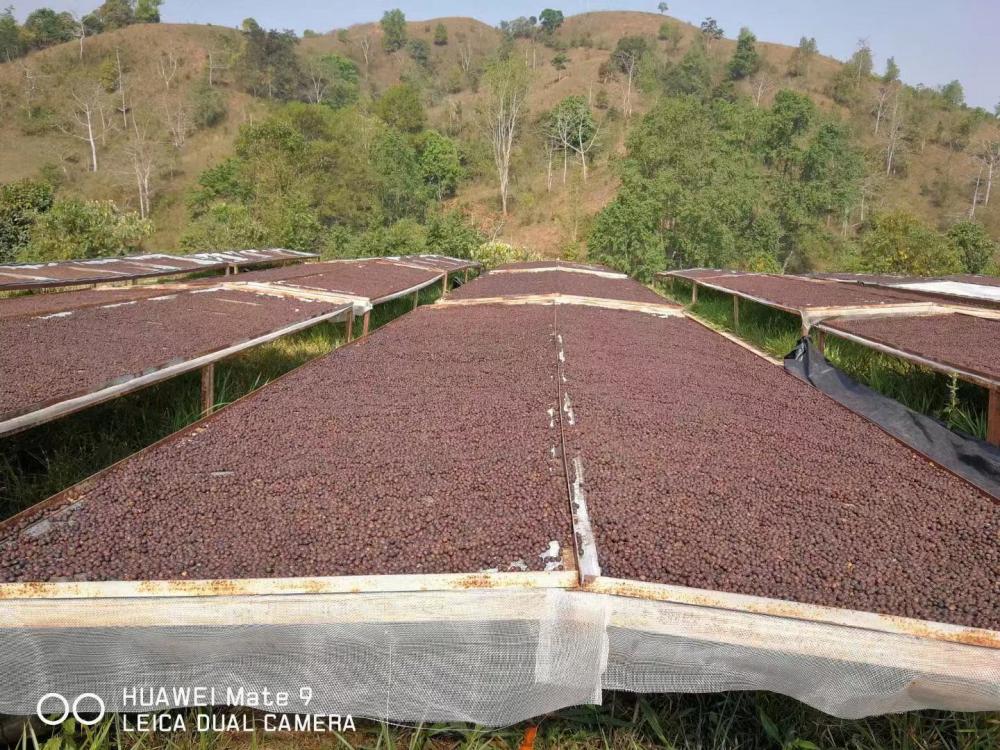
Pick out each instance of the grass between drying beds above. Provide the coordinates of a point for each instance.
(719, 721)
(960, 405)
(40, 462)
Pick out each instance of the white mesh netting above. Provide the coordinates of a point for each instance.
(492, 657)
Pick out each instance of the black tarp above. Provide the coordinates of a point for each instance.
(974, 460)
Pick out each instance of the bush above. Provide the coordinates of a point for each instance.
(21, 203)
(974, 244)
(208, 105)
(493, 254)
(85, 229)
(400, 107)
(900, 243)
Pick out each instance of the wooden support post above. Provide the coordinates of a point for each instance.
(694, 292)
(349, 327)
(465, 278)
(208, 389)
(736, 312)
(993, 417)
(444, 285)
(416, 299)
(364, 323)
(821, 342)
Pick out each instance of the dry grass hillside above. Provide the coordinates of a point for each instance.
(937, 183)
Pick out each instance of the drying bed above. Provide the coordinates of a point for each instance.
(51, 358)
(707, 467)
(55, 302)
(376, 459)
(793, 293)
(498, 284)
(129, 268)
(964, 342)
(377, 279)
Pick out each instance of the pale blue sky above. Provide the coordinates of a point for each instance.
(933, 41)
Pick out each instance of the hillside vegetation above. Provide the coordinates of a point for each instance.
(638, 140)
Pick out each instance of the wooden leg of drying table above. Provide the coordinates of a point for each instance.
(736, 312)
(349, 327)
(364, 323)
(465, 277)
(821, 341)
(208, 389)
(416, 299)
(444, 285)
(694, 293)
(993, 417)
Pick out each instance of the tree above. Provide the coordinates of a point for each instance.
(746, 59)
(670, 33)
(550, 20)
(440, 164)
(506, 84)
(559, 62)
(268, 65)
(626, 57)
(147, 11)
(419, 51)
(891, 74)
(953, 94)
(393, 30)
(85, 116)
(692, 76)
(798, 63)
(571, 127)
(974, 244)
(401, 107)
(899, 243)
(21, 203)
(711, 31)
(440, 35)
(332, 80)
(44, 27)
(11, 44)
(85, 229)
(663, 7)
(115, 14)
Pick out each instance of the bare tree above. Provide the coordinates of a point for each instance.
(142, 152)
(79, 30)
(583, 143)
(30, 86)
(881, 101)
(988, 155)
(214, 65)
(167, 64)
(760, 84)
(465, 55)
(178, 118)
(975, 192)
(894, 136)
(318, 78)
(83, 117)
(366, 50)
(120, 83)
(506, 90)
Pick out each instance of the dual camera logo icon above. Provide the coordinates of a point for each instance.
(91, 704)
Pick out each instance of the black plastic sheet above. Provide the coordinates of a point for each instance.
(974, 460)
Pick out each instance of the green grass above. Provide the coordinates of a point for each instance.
(960, 405)
(625, 722)
(40, 462)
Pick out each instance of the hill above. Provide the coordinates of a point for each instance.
(164, 135)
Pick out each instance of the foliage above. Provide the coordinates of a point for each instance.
(440, 35)
(550, 20)
(268, 65)
(20, 205)
(440, 163)
(798, 63)
(11, 43)
(85, 229)
(44, 27)
(670, 33)
(401, 107)
(148, 11)
(710, 30)
(560, 60)
(891, 74)
(393, 30)
(628, 52)
(953, 94)
(520, 28)
(899, 243)
(725, 184)
(451, 234)
(746, 59)
(224, 226)
(208, 105)
(419, 51)
(974, 244)
(571, 125)
(338, 79)
(692, 75)
(495, 253)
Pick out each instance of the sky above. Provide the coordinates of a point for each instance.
(933, 41)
